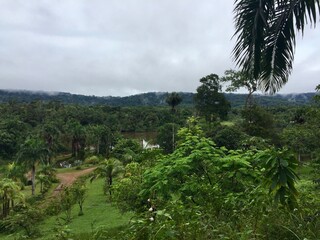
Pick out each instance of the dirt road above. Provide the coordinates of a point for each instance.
(66, 179)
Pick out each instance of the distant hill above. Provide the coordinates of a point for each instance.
(150, 98)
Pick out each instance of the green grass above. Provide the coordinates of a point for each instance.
(227, 123)
(65, 170)
(98, 213)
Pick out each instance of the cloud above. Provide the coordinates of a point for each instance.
(120, 48)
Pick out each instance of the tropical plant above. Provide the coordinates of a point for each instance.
(209, 101)
(67, 200)
(9, 192)
(32, 152)
(79, 192)
(78, 138)
(26, 218)
(108, 169)
(266, 35)
(166, 136)
(280, 176)
(16, 172)
(237, 80)
(173, 100)
(126, 150)
(126, 190)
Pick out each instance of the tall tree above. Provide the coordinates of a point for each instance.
(108, 169)
(266, 36)
(9, 191)
(210, 102)
(237, 80)
(78, 138)
(50, 133)
(31, 152)
(173, 100)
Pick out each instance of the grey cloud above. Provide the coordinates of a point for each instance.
(116, 47)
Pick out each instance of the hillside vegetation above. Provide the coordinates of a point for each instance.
(151, 98)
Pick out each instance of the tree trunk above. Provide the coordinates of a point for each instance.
(110, 183)
(173, 145)
(81, 210)
(249, 101)
(33, 179)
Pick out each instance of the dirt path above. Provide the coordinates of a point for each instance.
(66, 179)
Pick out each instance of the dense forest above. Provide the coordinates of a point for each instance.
(203, 171)
(150, 99)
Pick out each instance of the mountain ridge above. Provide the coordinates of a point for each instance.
(149, 98)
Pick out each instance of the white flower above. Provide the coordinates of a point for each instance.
(150, 209)
(149, 200)
(151, 219)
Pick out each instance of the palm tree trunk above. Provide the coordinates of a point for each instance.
(173, 145)
(110, 183)
(33, 179)
(98, 147)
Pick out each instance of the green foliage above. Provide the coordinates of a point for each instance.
(280, 175)
(258, 122)
(79, 190)
(165, 138)
(126, 190)
(98, 215)
(126, 150)
(93, 160)
(265, 37)
(67, 200)
(108, 170)
(25, 219)
(201, 191)
(63, 232)
(46, 176)
(9, 192)
(173, 100)
(300, 139)
(237, 80)
(209, 102)
(230, 137)
(31, 152)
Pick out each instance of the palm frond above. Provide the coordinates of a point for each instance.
(251, 22)
(266, 33)
(279, 50)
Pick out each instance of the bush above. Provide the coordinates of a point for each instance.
(92, 160)
(25, 219)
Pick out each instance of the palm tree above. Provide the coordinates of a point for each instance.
(46, 176)
(15, 172)
(31, 152)
(265, 37)
(173, 100)
(9, 191)
(108, 169)
(77, 132)
(50, 133)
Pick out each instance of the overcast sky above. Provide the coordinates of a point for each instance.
(119, 48)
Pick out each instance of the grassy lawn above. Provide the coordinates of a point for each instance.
(227, 123)
(97, 214)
